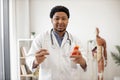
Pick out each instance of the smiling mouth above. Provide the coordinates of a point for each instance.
(60, 26)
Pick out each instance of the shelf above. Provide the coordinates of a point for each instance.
(25, 39)
(28, 75)
(22, 57)
(23, 48)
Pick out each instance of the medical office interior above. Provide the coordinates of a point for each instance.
(28, 18)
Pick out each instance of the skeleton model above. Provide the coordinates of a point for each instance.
(100, 54)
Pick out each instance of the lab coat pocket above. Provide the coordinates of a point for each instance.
(75, 74)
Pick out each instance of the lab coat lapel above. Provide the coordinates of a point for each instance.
(55, 42)
(64, 40)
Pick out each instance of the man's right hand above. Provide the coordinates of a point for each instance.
(40, 57)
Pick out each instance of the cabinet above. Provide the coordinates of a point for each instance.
(24, 72)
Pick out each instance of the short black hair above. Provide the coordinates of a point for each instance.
(59, 9)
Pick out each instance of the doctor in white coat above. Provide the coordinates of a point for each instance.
(52, 50)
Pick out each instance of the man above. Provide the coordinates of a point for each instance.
(100, 53)
(52, 51)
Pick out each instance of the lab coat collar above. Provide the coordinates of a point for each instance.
(63, 41)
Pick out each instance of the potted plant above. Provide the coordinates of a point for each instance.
(32, 35)
(116, 58)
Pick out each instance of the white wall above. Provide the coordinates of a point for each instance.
(22, 18)
(85, 15)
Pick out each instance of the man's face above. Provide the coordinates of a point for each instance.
(60, 21)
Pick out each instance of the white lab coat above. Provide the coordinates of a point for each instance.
(57, 65)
